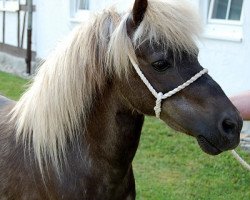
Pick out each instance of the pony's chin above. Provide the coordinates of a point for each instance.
(207, 146)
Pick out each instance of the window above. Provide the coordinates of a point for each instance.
(82, 4)
(225, 11)
(223, 19)
(79, 10)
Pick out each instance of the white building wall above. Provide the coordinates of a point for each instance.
(11, 27)
(227, 61)
(55, 20)
(53, 24)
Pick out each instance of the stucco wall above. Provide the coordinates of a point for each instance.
(55, 21)
(53, 24)
(226, 60)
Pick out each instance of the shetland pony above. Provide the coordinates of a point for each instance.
(75, 131)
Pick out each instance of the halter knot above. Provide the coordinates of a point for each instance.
(157, 107)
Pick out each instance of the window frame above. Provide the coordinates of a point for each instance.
(77, 5)
(78, 15)
(82, 15)
(224, 21)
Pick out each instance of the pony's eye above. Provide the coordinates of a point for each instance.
(161, 65)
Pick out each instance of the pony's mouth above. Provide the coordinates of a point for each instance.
(207, 146)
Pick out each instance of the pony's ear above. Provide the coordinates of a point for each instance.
(139, 9)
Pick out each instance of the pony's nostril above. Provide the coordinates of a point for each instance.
(229, 126)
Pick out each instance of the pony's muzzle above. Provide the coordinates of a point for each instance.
(230, 127)
(226, 137)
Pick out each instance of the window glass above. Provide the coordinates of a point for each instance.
(83, 4)
(220, 9)
(235, 9)
(227, 10)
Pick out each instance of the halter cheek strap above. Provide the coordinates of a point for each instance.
(160, 96)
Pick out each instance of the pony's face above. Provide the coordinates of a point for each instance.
(201, 110)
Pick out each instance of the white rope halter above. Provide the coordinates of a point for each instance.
(160, 96)
(241, 160)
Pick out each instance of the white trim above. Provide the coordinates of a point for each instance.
(228, 9)
(9, 6)
(230, 38)
(224, 32)
(226, 22)
(78, 15)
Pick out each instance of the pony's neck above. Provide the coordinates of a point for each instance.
(107, 148)
(114, 129)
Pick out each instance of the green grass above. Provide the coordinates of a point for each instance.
(11, 86)
(170, 165)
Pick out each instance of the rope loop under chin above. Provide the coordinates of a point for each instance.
(157, 107)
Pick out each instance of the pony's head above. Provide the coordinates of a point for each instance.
(161, 37)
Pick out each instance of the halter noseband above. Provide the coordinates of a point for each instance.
(160, 96)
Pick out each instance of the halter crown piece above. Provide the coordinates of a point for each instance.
(160, 96)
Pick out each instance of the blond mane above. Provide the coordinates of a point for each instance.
(56, 106)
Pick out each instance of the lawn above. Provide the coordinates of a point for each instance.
(11, 86)
(170, 165)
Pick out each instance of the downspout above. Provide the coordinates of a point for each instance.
(3, 40)
(29, 37)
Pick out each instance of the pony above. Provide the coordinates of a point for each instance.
(75, 131)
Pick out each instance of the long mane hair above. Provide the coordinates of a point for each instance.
(56, 106)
